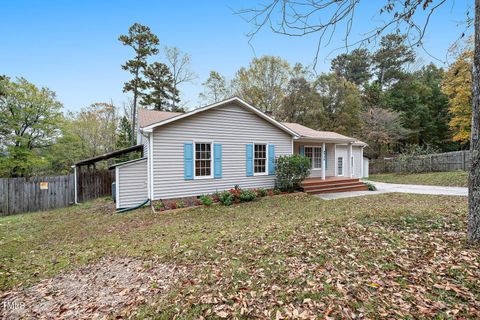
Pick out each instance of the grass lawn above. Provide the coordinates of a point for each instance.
(449, 179)
(388, 255)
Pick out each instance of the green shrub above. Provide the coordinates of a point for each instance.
(206, 200)
(247, 195)
(291, 170)
(371, 186)
(277, 191)
(180, 204)
(159, 206)
(262, 192)
(226, 198)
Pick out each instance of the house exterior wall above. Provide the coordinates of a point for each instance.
(143, 141)
(357, 158)
(366, 163)
(131, 184)
(231, 126)
(330, 169)
(358, 161)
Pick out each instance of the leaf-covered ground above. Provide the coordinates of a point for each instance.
(448, 179)
(388, 256)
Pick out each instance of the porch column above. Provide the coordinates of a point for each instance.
(323, 161)
(335, 160)
(361, 161)
(349, 160)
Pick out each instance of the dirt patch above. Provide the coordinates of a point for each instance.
(112, 286)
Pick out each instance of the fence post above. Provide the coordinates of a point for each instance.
(8, 196)
(464, 165)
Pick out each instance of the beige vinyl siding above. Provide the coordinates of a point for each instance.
(229, 125)
(330, 170)
(132, 184)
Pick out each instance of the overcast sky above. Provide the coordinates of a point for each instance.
(72, 47)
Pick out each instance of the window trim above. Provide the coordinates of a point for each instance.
(266, 159)
(343, 167)
(212, 157)
(313, 161)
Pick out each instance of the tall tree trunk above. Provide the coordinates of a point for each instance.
(474, 180)
(134, 114)
(133, 137)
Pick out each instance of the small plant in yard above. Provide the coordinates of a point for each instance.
(371, 186)
(159, 206)
(180, 204)
(261, 192)
(226, 198)
(206, 200)
(173, 205)
(216, 196)
(277, 191)
(236, 193)
(291, 170)
(247, 195)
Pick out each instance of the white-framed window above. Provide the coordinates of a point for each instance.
(259, 158)
(203, 160)
(315, 156)
(340, 166)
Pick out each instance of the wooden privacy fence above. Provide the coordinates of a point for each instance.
(19, 195)
(448, 161)
(93, 183)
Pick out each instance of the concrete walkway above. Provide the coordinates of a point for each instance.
(402, 188)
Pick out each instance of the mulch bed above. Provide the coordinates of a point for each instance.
(110, 287)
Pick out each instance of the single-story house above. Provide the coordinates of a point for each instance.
(224, 144)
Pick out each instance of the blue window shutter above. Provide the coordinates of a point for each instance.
(271, 159)
(217, 161)
(249, 152)
(326, 159)
(188, 160)
(302, 150)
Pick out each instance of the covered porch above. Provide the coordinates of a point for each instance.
(331, 160)
(331, 154)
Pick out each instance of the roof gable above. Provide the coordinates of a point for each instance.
(236, 100)
(315, 134)
(148, 117)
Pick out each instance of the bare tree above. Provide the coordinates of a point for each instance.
(411, 18)
(179, 63)
(298, 18)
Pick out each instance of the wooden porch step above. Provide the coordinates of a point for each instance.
(318, 181)
(332, 185)
(358, 187)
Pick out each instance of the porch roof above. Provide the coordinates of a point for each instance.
(307, 133)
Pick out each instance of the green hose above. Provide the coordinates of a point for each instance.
(123, 210)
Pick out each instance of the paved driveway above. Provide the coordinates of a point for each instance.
(383, 187)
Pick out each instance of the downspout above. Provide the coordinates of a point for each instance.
(150, 173)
